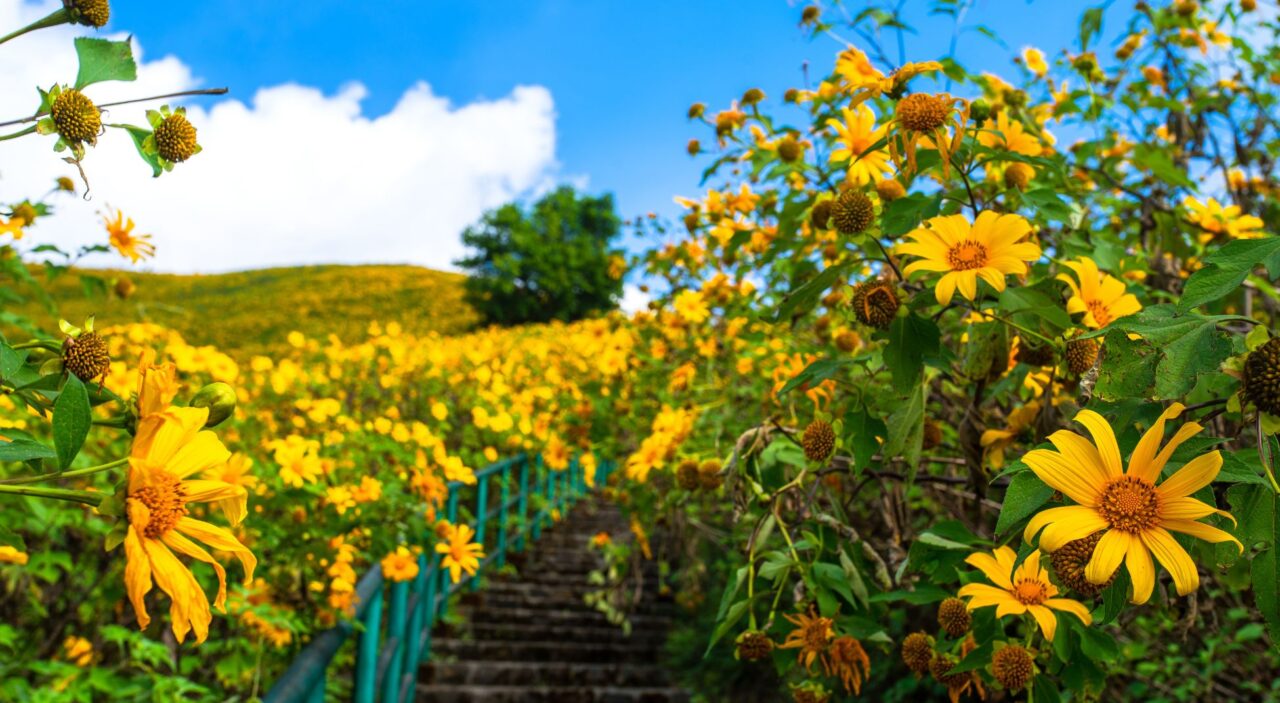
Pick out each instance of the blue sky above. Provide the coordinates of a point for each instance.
(621, 73)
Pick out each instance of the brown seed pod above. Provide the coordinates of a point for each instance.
(86, 356)
(1261, 378)
(875, 303)
(1069, 562)
(1013, 667)
(852, 212)
(819, 440)
(917, 652)
(921, 112)
(954, 617)
(1081, 355)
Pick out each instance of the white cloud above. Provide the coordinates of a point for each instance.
(634, 299)
(293, 176)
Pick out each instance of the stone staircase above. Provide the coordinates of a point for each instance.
(531, 638)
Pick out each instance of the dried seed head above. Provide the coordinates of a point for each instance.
(86, 356)
(92, 13)
(943, 663)
(1018, 175)
(1069, 562)
(954, 617)
(810, 14)
(890, 189)
(76, 117)
(1261, 378)
(176, 138)
(932, 434)
(820, 217)
(790, 149)
(754, 645)
(819, 440)
(709, 474)
(752, 96)
(852, 212)
(921, 112)
(917, 652)
(687, 475)
(875, 303)
(1081, 354)
(1042, 355)
(1012, 667)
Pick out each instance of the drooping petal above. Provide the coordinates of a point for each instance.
(1140, 463)
(189, 609)
(982, 591)
(1074, 607)
(182, 545)
(220, 538)
(1105, 440)
(1188, 508)
(1054, 469)
(1107, 556)
(996, 572)
(1187, 431)
(1196, 474)
(137, 575)
(1174, 559)
(1141, 571)
(1046, 619)
(1069, 523)
(1200, 530)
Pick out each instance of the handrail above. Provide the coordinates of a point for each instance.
(389, 653)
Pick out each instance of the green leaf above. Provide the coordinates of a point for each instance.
(140, 137)
(104, 60)
(976, 659)
(1158, 162)
(906, 428)
(1186, 346)
(71, 420)
(1098, 645)
(905, 214)
(1024, 496)
(815, 373)
(911, 339)
(24, 450)
(1128, 370)
(1115, 597)
(1241, 466)
(1048, 204)
(735, 613)
(863, 429)
(1226, 268)
(806, 296)
(1090, 26)
(833, 578)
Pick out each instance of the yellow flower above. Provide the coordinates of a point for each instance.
(989, 249)
(1134, 514)
(600, 539)
(11, 555)
(1218, 222)
(12, 226)
(1033, 58)
(130, 245)
(1026, 589)
(460, 553)
(691, 307)
(169, 447)
(994, 442)
(401, 565)
(812, 635)
(856, 69)
(856, 134)
(1100, 296)
(1010, 135)
(556, 454)
(78, 650)
(157, 384)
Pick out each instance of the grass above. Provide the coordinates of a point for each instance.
(250, 312)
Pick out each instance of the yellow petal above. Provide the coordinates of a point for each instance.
(1187, 431)
(1084, 455)
(1105, 440)
(160, 436)
(1174, 558)
(1067, 605)
(992, 569)
(137, 575)
(1188, 508)
(1199, 530)
(1054, 469)
(1141, 571)
(182, 545)
(189, 609)
(1046, 619)
(220, 538)
(1196, 474)
(1072, 523)
(945, 288)
(1107, 556)
(967, 283)
(1141, 462)
(202, 452)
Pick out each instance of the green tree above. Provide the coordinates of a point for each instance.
(553, 261)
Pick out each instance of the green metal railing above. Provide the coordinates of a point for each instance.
(392, 644)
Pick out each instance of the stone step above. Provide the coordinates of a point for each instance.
(546, 694)
(582, 617)
(539, 651)
(534, 674)
(606, 634)
(534, 600)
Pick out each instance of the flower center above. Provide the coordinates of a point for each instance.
(1100, 312)
(1030, 591)
(920, 112)
(1130, 504)
(817, 634)
(165, 499)
(967, 255)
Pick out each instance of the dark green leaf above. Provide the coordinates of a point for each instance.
(71, 419)
(24, 450)
(104, 60)
(806, 296)
(1024, 496)
(912, 338)
(1226, 268)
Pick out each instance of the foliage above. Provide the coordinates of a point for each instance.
(553, 261)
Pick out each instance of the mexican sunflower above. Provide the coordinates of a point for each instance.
(1100, 296)
(460, 553)
(169, 447)
(131, 246)
(812, 635)
(856, 135)
(1134, 514)
(989, 249)
(1025, 589)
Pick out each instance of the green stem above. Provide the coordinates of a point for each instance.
(1014, 325)
(15, 135)
(59, 475)
(55, 494)
(38, 344)
(59, 16)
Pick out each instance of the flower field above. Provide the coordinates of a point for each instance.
(951, 386)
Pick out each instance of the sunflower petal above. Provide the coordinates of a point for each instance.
(1107, 556)
(220, 538)
(137, 575)
(1174, 558)
(991, 568)
(189, 609)
(182, 545)
(1046, 619)
(1074, 607)
(1141, 571)
(1196, 474)
(1200, 530)
(1054, 469)
(1084, 454)
(1141, 462)
(1104, 438)
(1079, 523)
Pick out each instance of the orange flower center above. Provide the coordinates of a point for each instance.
(967, 255)
(1100, 312)
(165, 499)
(1030, 591)
(816, 634)
(1130, 504)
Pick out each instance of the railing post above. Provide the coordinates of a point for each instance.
(367, 661)
(396, 627)
(316, 695)
(432, 580)
(416, 619)
(482, 516)
(502, 515)
(551, 492)
(524, 502)
(541, 488)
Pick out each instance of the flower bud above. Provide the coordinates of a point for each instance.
(220, 399)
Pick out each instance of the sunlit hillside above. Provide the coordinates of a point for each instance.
(248, 312)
